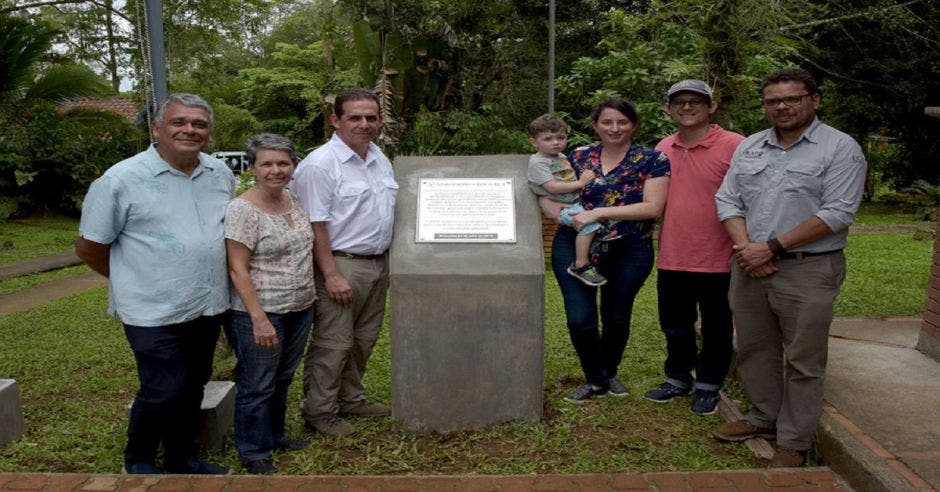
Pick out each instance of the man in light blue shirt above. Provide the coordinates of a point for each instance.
(152, 224)
(787, 202)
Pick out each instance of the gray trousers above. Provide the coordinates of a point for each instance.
(342, 338)
(782, 324)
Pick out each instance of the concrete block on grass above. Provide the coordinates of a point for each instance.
(218, 414)
(12, 425)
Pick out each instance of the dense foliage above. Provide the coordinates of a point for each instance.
(882, 67)
(466, 77)
(48, 157)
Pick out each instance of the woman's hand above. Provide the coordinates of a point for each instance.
(551, 209)
(587, 176)
(581, 219)
(265, 334)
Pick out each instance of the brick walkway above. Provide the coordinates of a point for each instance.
(804, 479)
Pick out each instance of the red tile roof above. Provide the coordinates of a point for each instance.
(122, 105)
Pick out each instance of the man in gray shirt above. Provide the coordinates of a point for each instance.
(787, 203)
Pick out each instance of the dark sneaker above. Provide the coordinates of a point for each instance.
(366, 409)
(741, 430)
(197, 467)
(616, 387)
(705, 402)
(292, 445)
(260, 467)
(584, 393)
(667, 392)
(332, 425)
(140, 468)
(787, 458)
(587, 275)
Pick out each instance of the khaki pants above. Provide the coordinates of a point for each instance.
(782, 324)
(342, 338)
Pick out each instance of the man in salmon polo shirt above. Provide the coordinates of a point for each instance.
(694, 251)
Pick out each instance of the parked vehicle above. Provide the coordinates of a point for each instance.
(236, 161)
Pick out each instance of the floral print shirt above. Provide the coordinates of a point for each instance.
(281, 262)
(623, 185)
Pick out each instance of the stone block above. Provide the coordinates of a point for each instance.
(467, 318)
(12, 425)
(218, 414)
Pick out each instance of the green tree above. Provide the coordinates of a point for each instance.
(880, 61)
(286, 92)
(47, 158)
(95, 33)
(438, 62)
(731, 44)
(233, 126)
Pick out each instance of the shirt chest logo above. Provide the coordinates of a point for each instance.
(753, 154)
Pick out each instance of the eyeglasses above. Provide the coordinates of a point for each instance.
(790, 101)
(692, 103)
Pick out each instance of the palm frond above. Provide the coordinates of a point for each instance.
(22, 44)
(62, 82)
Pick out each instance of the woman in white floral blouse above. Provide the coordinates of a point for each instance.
(269, 243)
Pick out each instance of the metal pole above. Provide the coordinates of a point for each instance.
(154, 10)
(551, 56)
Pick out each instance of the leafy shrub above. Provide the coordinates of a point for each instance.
(49, 158)
(8, 207)
(926, 198)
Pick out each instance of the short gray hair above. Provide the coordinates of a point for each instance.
(189, 100)
(269, 141)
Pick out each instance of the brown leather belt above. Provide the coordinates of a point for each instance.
(799, 255)
(353, 256)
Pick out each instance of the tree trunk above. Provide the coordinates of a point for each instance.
(326, 10)
(112, 50)
(721, 51)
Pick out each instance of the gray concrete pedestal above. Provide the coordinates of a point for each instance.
(12, 425)
(467, 318)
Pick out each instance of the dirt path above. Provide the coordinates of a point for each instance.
(44, 293)
(38, 265)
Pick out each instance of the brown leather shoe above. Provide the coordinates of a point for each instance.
(787, 458)
(331, 425)
(366, 409)
(741, 430)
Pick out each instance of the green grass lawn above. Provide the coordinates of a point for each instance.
(878, 213)
(76, 374)
(886, 275)
(25, 239)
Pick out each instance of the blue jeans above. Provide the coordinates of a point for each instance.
(174, 363)
(681, 296)
(262, 377)
(626, 266)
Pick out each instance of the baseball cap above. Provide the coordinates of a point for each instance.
(691, 85)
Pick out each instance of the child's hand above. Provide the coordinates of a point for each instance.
(586, 176)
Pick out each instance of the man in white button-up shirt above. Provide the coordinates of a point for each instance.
(348, 189)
